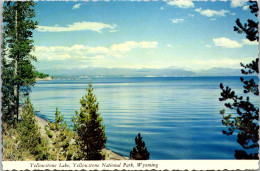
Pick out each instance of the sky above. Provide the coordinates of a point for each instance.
(191, 35)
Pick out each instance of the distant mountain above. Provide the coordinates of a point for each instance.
(126, 72)
(145, 72)
(219, 72)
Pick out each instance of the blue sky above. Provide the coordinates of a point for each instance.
(191, 35)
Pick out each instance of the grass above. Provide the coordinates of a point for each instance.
(11, 149)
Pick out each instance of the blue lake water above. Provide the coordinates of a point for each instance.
(178, 118)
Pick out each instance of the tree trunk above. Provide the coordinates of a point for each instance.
(16, 87)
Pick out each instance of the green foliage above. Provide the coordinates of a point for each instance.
(51, 126)
(11, 142)
(30, 135)
(62, 137)
(48, 132)
(88, 125)
(251, 27)
(140, 151)
(40, 75)
(7, 87)
(18, 26)
(245, 122)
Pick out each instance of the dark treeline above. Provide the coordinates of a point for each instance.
(40, 74)
(23, 139)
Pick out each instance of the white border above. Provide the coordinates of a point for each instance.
(133, 165)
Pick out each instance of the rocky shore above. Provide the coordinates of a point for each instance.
(110, 155)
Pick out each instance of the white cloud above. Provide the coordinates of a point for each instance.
(191, 15)
(248, 42)
(224, 62)
(78, 26)
(113, 31)
(177, 20)
(129, 45)
(169, 45)
(213, 19)
(226, 43)
(245, 7)
(211, 13)
(75, 52)
(77, 6)
(81, 52)
(98, 50)
(237, 3)
(162, 8)
(181, 3)
(208, 46)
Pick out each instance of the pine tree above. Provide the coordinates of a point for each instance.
(140, 151)
(88, 125)
(17, 29)
(61, 138)
(30, 135)
(245, 122)
(7, 87)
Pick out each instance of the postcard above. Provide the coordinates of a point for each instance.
(130, 85)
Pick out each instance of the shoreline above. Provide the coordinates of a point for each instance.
(44, 79)
(110, 155)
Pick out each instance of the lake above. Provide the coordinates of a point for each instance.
(177, 117)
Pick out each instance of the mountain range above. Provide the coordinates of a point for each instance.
(145, 72)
